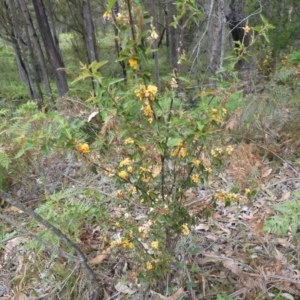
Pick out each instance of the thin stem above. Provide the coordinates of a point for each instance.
(54, 230)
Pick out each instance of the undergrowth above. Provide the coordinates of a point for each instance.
(127, 161)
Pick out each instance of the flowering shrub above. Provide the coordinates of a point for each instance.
(159, 152)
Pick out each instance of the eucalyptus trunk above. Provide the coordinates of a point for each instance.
(53, 54)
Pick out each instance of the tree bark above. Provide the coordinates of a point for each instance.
(173, 36)
(38, 48)
(115, 12)
(89, 32)
(155, 48)
(236, 21)
(19, 46)
(89, 35)
(53, 55)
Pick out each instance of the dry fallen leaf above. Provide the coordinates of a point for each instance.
(284, 197)
(156, 171)
(123, 288)
(201, 227)
(176, 294)
(92, 115)
(172, 297)
(99, 258)
(266, 173)
(232, 266)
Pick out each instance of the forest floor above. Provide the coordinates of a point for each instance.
(226, 255)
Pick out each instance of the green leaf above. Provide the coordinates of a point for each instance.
(95, 66)
(67, 132)
(172, 142)
(265, 21)
(200, 126)
(195, 269)
(191, 284)
(28, 145)
(46, 149)
(4, 160)
(112, 82)
(20, 153)
(110, 5)
(194, 250)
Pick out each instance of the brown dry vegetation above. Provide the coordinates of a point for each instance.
(226, 252)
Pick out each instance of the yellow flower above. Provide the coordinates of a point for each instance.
(195, 178)
(146, 179)
(130, 169)
(196, 162)
(143, 170)
(132, 190)
(83, 148)
(247, 191)
(185, 229)
(127, 161)
(151, 91)
(119, 17)
(247, 29)
(224, 111)
(221, 195)
(216, 152)
(175, 152)
(229, 149)
(116, 242)
(154, 245)
(129, 141)
(132, 63)
(143, 148)
(174, 83)
(119, 194)
(150, 120)
(139, 94)
(107, 15)
(148, 92)
(127, 244)
(123, 175)
(153, 33)
(232, 197)
(183, 152)
(109, 172)
(180, 144)
(130, 245)
(209, 170)
(149, 266)
(147, 110)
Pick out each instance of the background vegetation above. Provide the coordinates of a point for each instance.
(149, 149)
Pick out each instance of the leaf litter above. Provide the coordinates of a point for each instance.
(233, 255)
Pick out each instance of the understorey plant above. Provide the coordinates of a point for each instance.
(152, 148)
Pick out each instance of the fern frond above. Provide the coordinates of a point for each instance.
(284, 74)
(4, 159)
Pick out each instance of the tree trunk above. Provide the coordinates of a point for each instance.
(155, 48)
(48, 8)
(236, 21)
(89, 32)
(53, 55)
(38, 48)
(89, 35)
(34, 69)
(115, 12)
(20, 49)
(215, 36)
(173, 36)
